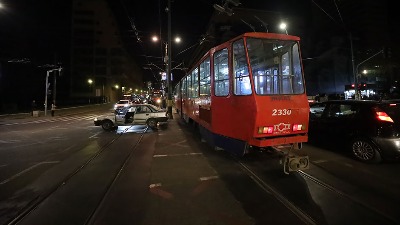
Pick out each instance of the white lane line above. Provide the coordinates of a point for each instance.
(186, 154)
(155, 185)
(208, 178)
(9, 141)
(95, 135)
(26, 170)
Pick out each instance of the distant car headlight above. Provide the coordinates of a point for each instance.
(158, 100)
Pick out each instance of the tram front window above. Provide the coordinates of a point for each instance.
(275, 66)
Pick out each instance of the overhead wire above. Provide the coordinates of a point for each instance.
(138, 39)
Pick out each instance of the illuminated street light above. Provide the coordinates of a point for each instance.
(167, 61)
(282, 26)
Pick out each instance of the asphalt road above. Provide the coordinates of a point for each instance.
(64, 170)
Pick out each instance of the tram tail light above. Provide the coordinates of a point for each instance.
(266, 130)
(297, 127)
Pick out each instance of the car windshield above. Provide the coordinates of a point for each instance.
(123, 101)
(154, 108)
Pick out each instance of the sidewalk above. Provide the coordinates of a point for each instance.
(58, 112)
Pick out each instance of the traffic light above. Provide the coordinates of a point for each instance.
(387, 52)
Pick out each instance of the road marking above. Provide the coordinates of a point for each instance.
(26, 170)
(208, 178)
(9, 141)
(186, 154)
(156, 189)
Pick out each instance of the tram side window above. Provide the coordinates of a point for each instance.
(242, 85)
(195, 83)
(184, 88)
(177, 91)
(221, 71)
(189, 85)
(205, 81)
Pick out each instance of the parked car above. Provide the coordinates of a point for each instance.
(369, 129)
(133, 114)
(122, 103)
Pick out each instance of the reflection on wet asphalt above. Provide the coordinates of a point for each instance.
(134, 129)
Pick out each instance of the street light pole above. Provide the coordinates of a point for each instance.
(46, 92)
(169, 94)
(356, 95)
(47, 88)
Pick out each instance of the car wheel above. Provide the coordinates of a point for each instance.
(107, 125)
(364, 150)
(152, 123)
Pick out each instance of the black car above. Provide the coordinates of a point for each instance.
(369, 129)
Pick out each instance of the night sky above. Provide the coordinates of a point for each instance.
(37, 32)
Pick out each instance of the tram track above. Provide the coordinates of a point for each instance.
(271, 188)
(37, 201)
(344, 195)
(307, 219)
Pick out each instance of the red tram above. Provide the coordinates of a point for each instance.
(249, 92)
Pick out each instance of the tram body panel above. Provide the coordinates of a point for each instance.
(268, 116)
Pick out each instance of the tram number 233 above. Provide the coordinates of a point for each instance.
(281, 112)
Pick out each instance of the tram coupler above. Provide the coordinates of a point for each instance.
(292, 159)
(294, 163)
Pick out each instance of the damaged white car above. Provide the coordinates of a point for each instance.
(134, 114)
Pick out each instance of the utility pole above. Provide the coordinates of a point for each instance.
(46, 92)
(356, 73)
(356, 95)
(47, 88)
(169, 102)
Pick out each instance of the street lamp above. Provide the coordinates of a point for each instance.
(356, 90)
(47, 88)
(282, 26)
(169, 102)
(90, 82)
(167, 61)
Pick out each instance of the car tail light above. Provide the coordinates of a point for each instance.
(382, 116)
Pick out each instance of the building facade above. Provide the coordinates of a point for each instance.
(98, 54)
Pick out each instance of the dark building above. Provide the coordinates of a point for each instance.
(98, 53)
(350, 35)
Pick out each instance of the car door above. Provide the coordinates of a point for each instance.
(317, 125)
(120, 116)
(337, 122)
(142, 113)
